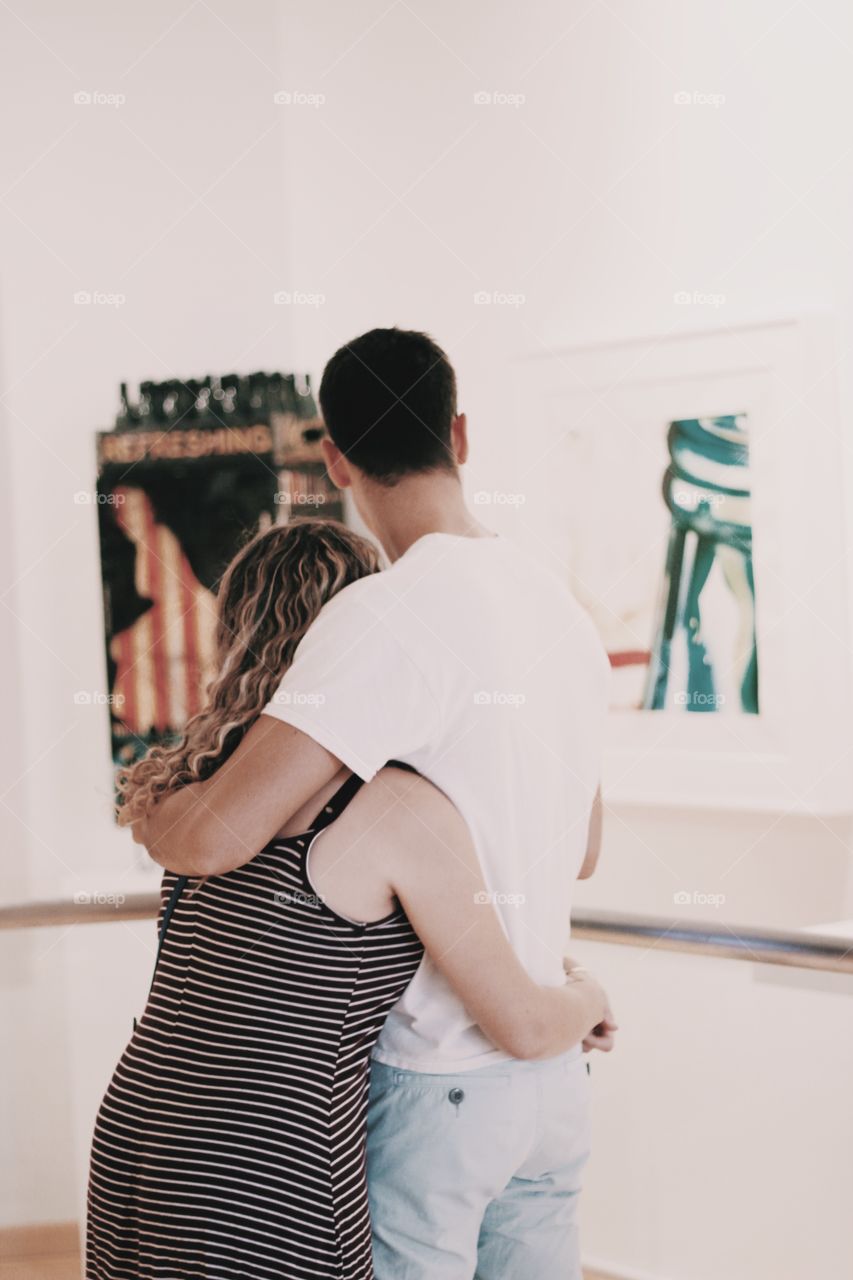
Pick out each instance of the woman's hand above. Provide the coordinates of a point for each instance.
(432, 867)
(602, 1035)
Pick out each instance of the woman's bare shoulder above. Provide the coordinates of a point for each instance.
(402, 802)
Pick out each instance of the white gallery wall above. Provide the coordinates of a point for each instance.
(171, 204)
(581, 198)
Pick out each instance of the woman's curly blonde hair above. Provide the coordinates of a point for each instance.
(268, 597)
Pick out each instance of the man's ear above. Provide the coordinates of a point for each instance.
(336, 464)
(459, 438)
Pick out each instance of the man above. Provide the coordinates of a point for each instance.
(468, 660)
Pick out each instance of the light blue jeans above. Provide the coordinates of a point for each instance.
(478, 1174)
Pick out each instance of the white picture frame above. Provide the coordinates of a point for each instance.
(795, 755)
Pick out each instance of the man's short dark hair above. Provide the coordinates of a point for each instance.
(388, 400)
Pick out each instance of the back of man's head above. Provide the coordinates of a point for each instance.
(388, 400)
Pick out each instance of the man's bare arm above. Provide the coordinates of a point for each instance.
(215, 826)
(593, 844)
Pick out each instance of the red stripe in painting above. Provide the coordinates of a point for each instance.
(189, 617)
(158, 648)
(630, 658)
(125, 678)
(125, 683)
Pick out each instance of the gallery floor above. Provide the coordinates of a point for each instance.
(53, 1253)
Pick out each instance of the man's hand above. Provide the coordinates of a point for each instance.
(139, 831)
(154, 829)
(211, 827)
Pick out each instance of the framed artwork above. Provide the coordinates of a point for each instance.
(179, 491)
(690, 489)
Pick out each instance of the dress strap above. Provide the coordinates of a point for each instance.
(401, 764)
(338, 802)
(174, 898)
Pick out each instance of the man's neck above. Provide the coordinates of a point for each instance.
(418, 505)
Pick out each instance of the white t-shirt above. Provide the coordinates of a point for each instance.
(472, 662)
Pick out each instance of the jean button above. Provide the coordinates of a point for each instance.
(456, 1096)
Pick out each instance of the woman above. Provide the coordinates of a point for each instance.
(230, 1141)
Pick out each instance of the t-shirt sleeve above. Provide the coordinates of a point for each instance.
(355, 689)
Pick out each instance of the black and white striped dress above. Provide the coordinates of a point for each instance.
(230, 1141)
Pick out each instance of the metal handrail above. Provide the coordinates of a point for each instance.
(84, 908)
(796, 949)
(799, 950)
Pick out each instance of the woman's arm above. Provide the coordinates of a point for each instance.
(433, 869)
